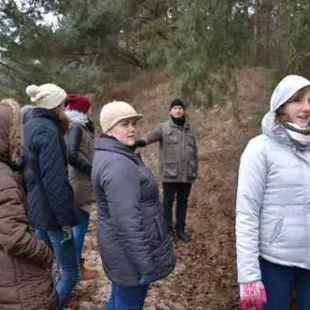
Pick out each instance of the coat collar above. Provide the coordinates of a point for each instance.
(110, 144)
(186, 125)
(44, 113)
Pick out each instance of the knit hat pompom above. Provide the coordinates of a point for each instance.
(32, 90)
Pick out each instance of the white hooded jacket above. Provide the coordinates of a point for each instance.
(273, 196)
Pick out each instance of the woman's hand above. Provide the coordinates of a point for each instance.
(67, 234)
(140, 143)
(147, 278)
(252, 295)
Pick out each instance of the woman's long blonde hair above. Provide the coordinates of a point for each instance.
(15, 146)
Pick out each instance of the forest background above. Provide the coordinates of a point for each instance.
(221, 57)
(89, 45)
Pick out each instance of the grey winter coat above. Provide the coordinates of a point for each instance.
(178, 157)
(132, 236)
(273, 199)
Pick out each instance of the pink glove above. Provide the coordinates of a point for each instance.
(252, 295)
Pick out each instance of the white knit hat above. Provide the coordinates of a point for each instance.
(116, 111)
(48, 96)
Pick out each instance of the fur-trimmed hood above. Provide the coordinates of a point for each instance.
(10, 132)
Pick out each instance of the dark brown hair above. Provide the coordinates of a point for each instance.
(63, 119)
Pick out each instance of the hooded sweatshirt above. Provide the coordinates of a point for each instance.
(273, 195)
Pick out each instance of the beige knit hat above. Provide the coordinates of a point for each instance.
(116, 111)
(48, 96)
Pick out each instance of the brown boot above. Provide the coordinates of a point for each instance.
(68, 305)
(87, 274)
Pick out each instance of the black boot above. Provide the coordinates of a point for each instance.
(173, 235)
(183, 236)
(171, 232)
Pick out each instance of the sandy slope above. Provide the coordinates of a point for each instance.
(204, 278)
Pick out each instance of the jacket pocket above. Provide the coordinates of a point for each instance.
(192, 170)
(276, 231)
(191, 141)
(155, 234)
(164, 258)
(171, 169)
(160, 228)
(171, 137)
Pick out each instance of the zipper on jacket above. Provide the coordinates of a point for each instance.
(307, 211)
(183, 157)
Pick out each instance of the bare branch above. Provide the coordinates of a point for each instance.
(295, 57)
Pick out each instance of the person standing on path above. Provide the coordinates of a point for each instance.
(135, 246)
(273, 204)
(178, 164)
(80, 147)
(25, 276)
(49, 193)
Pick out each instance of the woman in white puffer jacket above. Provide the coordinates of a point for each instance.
(273, 204)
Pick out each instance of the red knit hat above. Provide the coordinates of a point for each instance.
(77, 102)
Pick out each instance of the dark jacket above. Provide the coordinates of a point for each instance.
(25, 278)
(132, 236)
(178, 157)
(80, 147)
(50, 196)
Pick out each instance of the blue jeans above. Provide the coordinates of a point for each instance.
(79, 231)
(66, 257)
(127, 298)
(280, 283)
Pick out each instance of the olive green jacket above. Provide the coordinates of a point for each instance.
(178, 151)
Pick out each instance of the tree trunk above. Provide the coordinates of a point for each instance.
(268, 34)
(256, 32)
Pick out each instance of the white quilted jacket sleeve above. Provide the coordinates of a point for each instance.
(250, 192)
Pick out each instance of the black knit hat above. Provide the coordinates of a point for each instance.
(176, 102)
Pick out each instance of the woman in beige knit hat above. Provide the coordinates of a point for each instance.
(50, 196)
(133, 240)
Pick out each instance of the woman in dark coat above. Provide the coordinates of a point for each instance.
(49, 194)
(134, 242)
(80, 147)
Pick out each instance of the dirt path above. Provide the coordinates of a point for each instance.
(205, 276)
(189, 287)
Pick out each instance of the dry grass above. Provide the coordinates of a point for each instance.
(205, 276)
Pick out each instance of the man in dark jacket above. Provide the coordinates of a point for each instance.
(178, 164)
(50, 196)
